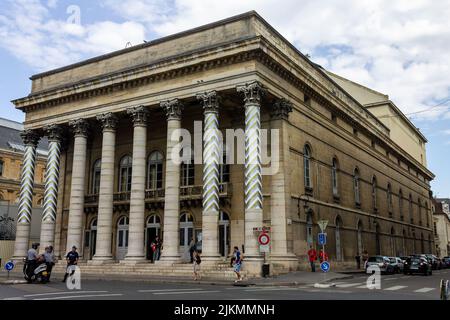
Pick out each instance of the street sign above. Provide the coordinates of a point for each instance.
(264, 248)
(261, 229)
(9, 266)
(325, 266)
(322, 224)
(263, 239)
(322, 239)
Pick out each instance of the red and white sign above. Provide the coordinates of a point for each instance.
(263, 239)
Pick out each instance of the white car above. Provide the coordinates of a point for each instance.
(381, 262)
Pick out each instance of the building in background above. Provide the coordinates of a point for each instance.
(347, 154)
(11, 158)
(441, 219)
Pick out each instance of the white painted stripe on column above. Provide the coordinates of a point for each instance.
(424, 290)
(394, 288)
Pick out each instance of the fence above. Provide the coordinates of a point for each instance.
(6, 251)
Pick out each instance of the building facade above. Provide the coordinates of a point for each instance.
(118, 184)
(441, 219)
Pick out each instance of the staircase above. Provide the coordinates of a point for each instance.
(220, 271)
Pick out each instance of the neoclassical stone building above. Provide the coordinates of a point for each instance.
(112, 184)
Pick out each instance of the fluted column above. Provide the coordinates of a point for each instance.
(103, 253)
(170, 253)
(30, 139)
(252, 174)
(280, 186)
(54, 134)
(211, 158)
(136, 252)
(76, 208)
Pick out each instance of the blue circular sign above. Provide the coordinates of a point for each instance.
(9, 266)
(325, 266)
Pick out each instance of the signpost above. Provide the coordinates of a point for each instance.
(264, 247)
(325, 265)
(322, 239)
(9, 266)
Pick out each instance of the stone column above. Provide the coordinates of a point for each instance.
(211, 158)
(76, 208)
(170, 253)
(60, 203)
(54, 134)
(252, 174)
(280, 187)
(103, 253)
(21, 246)
(136, 252)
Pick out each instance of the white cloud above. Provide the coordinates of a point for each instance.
(28, 31)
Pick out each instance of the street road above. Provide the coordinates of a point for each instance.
(397, 287)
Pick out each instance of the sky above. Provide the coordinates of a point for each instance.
(400, 48)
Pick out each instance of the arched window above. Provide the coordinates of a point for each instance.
(427, 216)
(377, 239)
(411, 215)
(334, 177)
(125, 171)
(393, 244)
(1, 168)
(389, 198)
(307, 166)
(188, 171)
(400, 203)
(359, 239)
(155, 171)
(374, 193)
(309, 228)
(356, 187)
(96, 172)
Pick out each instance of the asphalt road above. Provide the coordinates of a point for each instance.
(393, 287)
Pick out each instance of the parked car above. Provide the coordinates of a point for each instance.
(404, 258)
(436, 263)
(446, 262)
(417, 264)
(382, 262)
(397, 263)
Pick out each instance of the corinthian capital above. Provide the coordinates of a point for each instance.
(139, 115)
(210, 101)
(173, 109)
(80, 127)
(53, 132)
(281, 109)
(108, 120)
(30, 137)
(253, 92)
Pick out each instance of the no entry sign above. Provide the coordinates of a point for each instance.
(263, 239)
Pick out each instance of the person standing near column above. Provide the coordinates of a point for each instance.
(76, 208)
(170, 253)
(30, 139)
(136, 251)
(54, 134)
(103, 252)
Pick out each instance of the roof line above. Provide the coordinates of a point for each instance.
(147, 44)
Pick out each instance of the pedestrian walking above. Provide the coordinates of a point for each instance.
(156, 248)
(358, 261)
(365, 257)
(49, 260)
(323, 256)
(72, 260)
(312, 256)
(192, 249)
(237, 263)
(196, 264)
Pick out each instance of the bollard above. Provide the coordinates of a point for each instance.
(444, 289)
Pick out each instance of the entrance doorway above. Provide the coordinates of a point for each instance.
(224, 234)
(153, 230)
(93, 238)
(122, 238)
(186, 234)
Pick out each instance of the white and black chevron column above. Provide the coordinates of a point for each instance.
(30, 139)
(54, 134)
(253, 198)
(211, 159)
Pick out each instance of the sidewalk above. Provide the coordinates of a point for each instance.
(290, 279)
